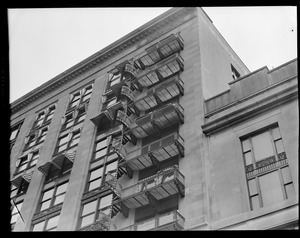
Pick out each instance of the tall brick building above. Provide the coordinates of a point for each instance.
(164, 129)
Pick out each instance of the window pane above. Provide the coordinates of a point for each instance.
(81, 118)
(95, 184)
(14, 218)
(48, 194)
(255, 202)
(38, 226)
(74, 141)
(96, 173)
(86, 97)
(248, 158)
(101, 144)
(45, 205)
(87, 220)
(70, 123)
(62, 188)
(111, 167)
(100, 153)
(252, 187)
(262, 146)
(63, 140)
(290, 191)
(270, 188)
(167, 218)
(59, 199)
(112, 157)
(105, 201)
(279, 146)
(89, 208)
(146, 225)
(61, 148)
(276, 133)
(52, 222)
(286, 175)
(14, 134)
(246, 145)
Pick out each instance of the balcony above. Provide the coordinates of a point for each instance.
(161, 118)
(112, 108)
(129, 71)
(156, 152)
(123, 118)
(164, 184)
(127, 92)
(160, 50)
(18, 180)
(171, 221)
(57, 162)
(102, 120)
(159, 72)
(160, 94)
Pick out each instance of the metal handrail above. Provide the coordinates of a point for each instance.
(176, 218)
(141, 186)
(177, 138)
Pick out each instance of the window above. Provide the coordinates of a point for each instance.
(271, 183)
(42, 134)
(234, 73)
(87, 93)
(147, 212)
(62, 143)
(27, 161)
(93, 210)
(49, 224)
(34, 159)
(20, 190)
(68, 141)
(50, 113)
(101, 148)
(81, 115)
(15, 131)
(114, 77)
(97, 175)
(15, 209)
(111, 102)
(23, 164)
(81, 96)
(44, 116)
(53, 196)
(68, 121)
(76, 99)
(39, 120)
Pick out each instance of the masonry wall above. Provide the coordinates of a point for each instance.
(216, 57)
(229, 202)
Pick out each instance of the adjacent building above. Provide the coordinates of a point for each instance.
(164, 129)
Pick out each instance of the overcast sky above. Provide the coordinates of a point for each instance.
(45, 42)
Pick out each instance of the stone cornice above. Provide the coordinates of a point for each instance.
(245, 110)
(139, 37)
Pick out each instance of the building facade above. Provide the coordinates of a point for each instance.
(146, 135)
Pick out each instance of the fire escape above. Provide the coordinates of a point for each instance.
(137, 105)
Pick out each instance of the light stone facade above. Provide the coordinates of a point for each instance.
(215, 117)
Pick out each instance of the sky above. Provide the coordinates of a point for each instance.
(45, 42)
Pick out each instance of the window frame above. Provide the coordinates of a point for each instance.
(16, 213)
(18, 129)
(69, 139)
(47, 112)
(46, 222)
(80, 96)
(270, 130)
(57, 182)
(96, 211)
